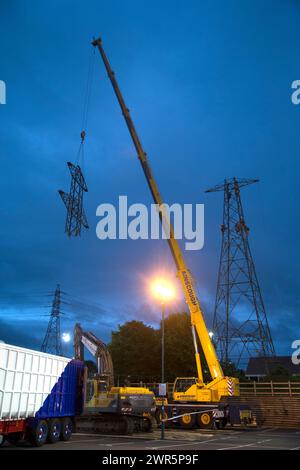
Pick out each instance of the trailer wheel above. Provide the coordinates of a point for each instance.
(205, 420)
(54, 431)
(39, 433)
(2, 440)
(187, 421)
(66, 429)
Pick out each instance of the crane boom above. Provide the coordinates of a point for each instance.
(184, 275)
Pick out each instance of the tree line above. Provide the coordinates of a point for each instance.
(136, 353)
(136, 349)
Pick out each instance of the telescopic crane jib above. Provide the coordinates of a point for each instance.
(220, 385)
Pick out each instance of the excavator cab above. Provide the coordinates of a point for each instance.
(101, 396)
(102, 387)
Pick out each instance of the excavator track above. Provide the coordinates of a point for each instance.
(113, 424)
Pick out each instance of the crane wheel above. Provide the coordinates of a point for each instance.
(158, 417)
(187, 421)
(205, 420)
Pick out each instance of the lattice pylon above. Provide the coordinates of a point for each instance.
(52, 340)
(240, 325)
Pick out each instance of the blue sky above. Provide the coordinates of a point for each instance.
(208, 85)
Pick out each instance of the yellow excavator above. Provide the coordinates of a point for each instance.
(108, 408)
(189, 394)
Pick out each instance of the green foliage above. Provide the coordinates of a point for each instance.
(135, 350)
(279, 373)
(179, 349)
(230, 370)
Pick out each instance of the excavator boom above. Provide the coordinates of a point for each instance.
(97, 348)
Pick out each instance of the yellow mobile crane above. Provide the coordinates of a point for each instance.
(186, 389)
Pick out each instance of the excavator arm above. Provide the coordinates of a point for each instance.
(98, 349)
(218, 385)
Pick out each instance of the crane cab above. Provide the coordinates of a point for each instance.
(190, 389)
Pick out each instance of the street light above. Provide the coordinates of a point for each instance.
(66, 337)
(164, 291)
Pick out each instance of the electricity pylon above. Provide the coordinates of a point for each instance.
(52, 340)
(74, 202)
(240, 325)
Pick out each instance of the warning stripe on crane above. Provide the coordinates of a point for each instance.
(230, 386)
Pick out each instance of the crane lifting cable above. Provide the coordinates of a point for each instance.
(76, 218)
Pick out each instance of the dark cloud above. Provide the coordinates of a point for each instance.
(230, 114)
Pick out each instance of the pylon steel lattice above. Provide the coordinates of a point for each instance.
(52, 340)
(240, 326)
(74, 202)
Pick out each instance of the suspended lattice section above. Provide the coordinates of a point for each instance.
(73, 201)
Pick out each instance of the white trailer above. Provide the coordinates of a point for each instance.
(39, 394)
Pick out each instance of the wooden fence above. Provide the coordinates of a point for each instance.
(254, 389)
(291, 389)
(275, 404)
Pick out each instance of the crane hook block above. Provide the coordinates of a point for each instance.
(82, 135)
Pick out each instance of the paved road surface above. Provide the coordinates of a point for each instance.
(264, 438)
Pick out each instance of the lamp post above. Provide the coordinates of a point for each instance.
(163, 367)
(163, 290)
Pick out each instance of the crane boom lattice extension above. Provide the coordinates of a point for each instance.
(73, 201)
(52, 340)
(241, 328)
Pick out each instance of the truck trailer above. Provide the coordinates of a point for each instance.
(40, 395)
(44, 397)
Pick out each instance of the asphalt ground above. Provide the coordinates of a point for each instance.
(197, 439)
